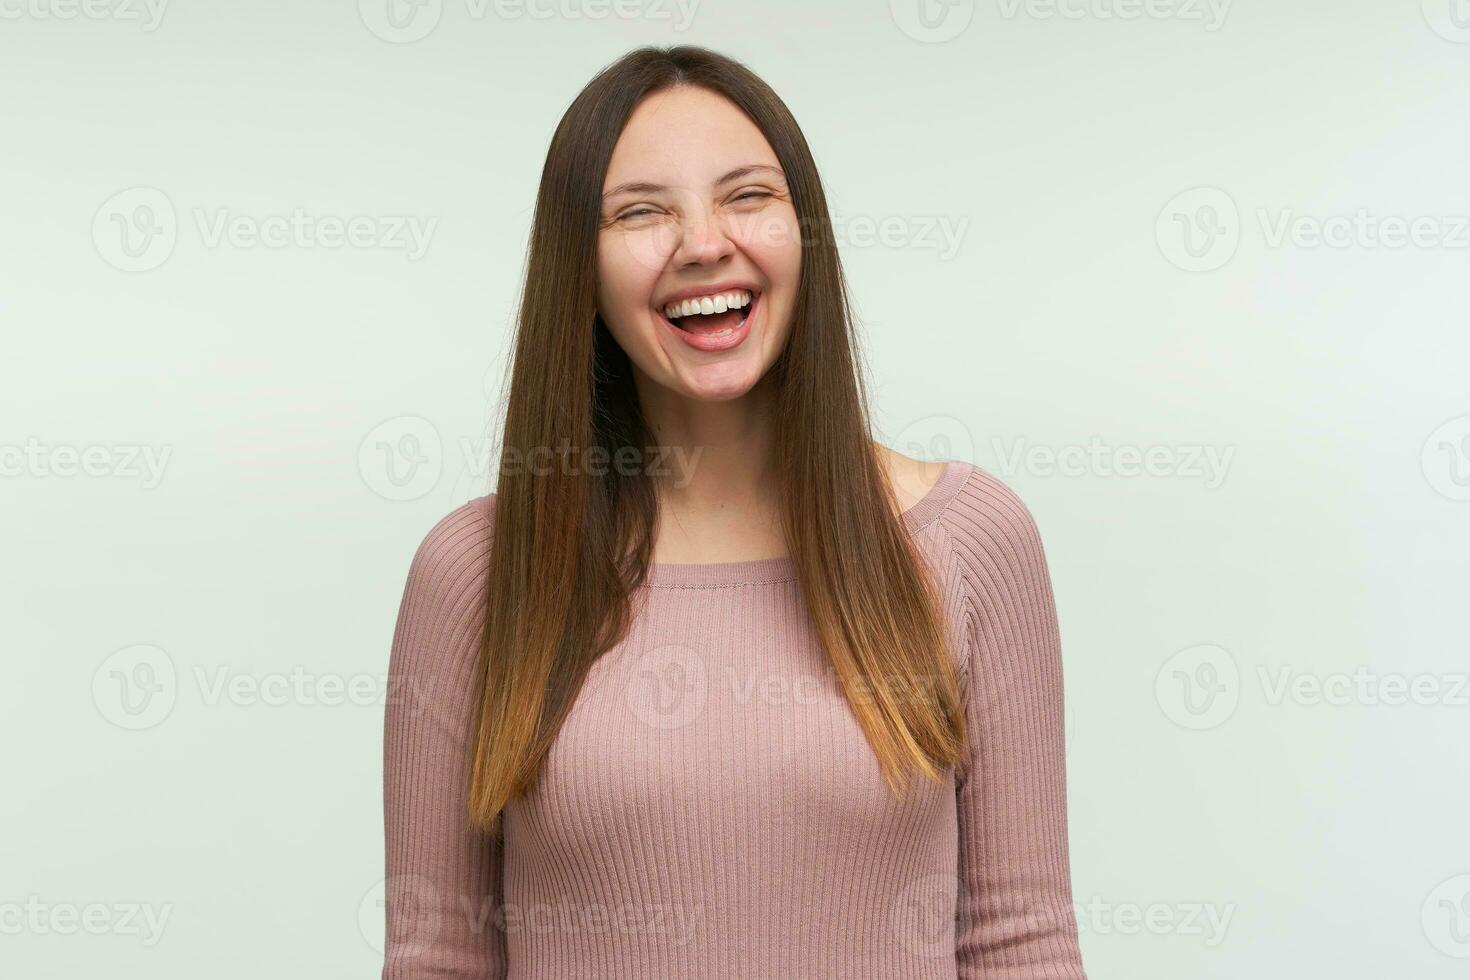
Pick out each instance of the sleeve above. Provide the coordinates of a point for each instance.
(442, 892)
(1014, 917)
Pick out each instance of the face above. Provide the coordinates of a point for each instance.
(695, 205)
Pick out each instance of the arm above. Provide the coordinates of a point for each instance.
(1015, 918)
(443, 878)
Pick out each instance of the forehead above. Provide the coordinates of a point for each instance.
(685, 137)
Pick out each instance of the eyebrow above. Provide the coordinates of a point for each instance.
(643, 187)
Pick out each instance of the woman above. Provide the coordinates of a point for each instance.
(737, 692)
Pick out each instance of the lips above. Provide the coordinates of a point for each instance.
(706, 324)
(704, 331)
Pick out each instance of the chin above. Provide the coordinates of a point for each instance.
(718, 386)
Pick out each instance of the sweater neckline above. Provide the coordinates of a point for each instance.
(705, 575)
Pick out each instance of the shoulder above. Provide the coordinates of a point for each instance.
(436, 642)
(986, 517)
(992, 563)
(452, 555)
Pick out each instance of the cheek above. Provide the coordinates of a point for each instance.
(621, 281)
(636, 255)
(772, 237)
(624, 285)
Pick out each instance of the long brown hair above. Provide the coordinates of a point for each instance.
(569, 549)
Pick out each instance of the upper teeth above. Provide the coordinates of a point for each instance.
(705, 305)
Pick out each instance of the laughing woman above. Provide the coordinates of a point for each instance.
(712, 684)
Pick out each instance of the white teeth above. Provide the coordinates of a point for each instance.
(705, 305)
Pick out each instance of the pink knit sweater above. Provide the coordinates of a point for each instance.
(711, 807)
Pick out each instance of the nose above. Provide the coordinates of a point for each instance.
(704, 238)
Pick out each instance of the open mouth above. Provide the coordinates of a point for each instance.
(715, 324)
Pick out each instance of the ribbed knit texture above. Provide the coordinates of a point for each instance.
(711, 807)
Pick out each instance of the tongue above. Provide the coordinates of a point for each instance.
(711, 323)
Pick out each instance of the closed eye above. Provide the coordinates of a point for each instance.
(636, 212)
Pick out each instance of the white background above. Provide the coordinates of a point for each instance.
(1064, 232)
